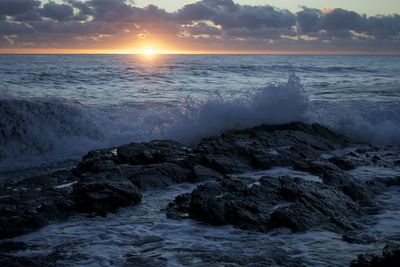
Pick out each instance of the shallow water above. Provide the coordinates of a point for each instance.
(144, 234)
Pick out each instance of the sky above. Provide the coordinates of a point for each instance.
(200, 26)
(370, 7)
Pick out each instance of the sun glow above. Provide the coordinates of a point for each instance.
(149, 52)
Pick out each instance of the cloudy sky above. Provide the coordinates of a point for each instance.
(206, 26)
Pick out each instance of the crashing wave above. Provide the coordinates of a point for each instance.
(49, 129)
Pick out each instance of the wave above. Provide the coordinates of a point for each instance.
(37, 130)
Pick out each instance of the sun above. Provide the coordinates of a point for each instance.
(149, 52)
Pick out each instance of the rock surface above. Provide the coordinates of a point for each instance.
(269, 203)
(390, 257)
(108, 179)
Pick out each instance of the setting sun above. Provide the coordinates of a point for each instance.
(149, 52)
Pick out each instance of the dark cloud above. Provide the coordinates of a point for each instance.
(17, 7)
(58, 12)
(340, 19)
(221, 23)
(309, 19)
(228, 15)
(201, 28)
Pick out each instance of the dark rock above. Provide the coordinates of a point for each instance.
(241, 150)
(105, 193)
(157, 176)
(108, 179)
(28, 205)
(14, 261)
(133, 260)
(341, 163)
(9, 246)
(376, 158)
(151, 153)
(390, 257)
(205, 174)
(358, 190)
(270, 203)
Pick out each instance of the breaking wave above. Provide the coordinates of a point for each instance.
(42, 129)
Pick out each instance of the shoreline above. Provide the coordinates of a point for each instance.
(107, 180)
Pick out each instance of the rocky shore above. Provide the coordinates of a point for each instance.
(236, 185)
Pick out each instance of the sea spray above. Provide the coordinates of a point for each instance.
(37, 130)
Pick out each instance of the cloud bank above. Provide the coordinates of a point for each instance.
(207, 25)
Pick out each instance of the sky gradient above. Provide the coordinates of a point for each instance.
(206, 26)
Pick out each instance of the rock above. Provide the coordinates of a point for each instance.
(157, 176)
(376, 158)
(151, 153)
(28, 205)
(108, 179)
(358, 190)
(390, 257)
(342, 163)
(242, 150)
(137, 260)
(205, 174)
(9, 246)
(21, 261)
(269, 203)
(105, 193)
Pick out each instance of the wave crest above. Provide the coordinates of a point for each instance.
(42, 129)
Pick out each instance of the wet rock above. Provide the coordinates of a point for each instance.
(14, 261)
(376, 158)
(390, 257)
(342, 163)
(102, 194)
(108, 179)
(242, 150)
(138, 260)
(205, 174)
(269, 203)
(151, 153)
(28, 205)
(9, 246)
(157, 176)
(358, 190)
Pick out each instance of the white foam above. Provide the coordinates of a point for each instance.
(63, 186)
(37, 130)
(370, 172)
(105, 241)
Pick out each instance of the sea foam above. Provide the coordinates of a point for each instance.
(33, 130)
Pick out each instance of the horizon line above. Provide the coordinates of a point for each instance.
(161, 53)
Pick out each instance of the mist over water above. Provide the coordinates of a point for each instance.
(59, 107)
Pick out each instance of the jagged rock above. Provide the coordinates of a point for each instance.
(28, 205)
(108, 179)
(390, 257)
(269, 203)
(342, 163)
(360, 191)
(105, 193)
(157, 176)
(241, 150)
(151, 153)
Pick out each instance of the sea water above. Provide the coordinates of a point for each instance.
(54, 108)
(57, 107)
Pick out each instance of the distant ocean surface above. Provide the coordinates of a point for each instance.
(57, 107)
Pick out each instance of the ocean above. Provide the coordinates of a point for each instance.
(55, 108)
